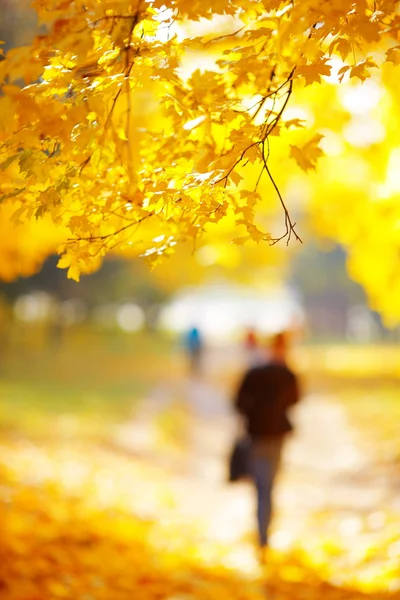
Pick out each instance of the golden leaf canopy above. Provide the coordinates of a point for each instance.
(133, 127)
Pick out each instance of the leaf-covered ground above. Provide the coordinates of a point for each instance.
(142, 510)
(69, 530)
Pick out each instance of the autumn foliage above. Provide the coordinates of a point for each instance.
(135, 126)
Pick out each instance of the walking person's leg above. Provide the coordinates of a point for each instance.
(262, 474)
(265, 463)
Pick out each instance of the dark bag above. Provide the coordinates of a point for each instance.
(239, 460)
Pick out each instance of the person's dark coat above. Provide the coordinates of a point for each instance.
(264, 397)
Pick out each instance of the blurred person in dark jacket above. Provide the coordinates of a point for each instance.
(263, 399)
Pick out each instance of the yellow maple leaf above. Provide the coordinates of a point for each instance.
(74, 272)
(307, 155)
(239, 241)
(393, 55)
(313, 73)
(361, 69)
(342, 46)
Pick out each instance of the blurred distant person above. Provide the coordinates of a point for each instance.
(252, 348)
(194, 346)
(263, 399)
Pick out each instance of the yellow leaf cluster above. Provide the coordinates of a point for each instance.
(140, 120)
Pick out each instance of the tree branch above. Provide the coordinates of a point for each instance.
(95, 238)
(290, 227)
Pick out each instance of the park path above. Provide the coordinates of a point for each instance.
(329, 487)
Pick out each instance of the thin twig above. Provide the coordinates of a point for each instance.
(290, 227)
(110, 18)
(114, 102)
(84, 163)
(128, 69)
(225, 177)
(94, 238)
(223, 37)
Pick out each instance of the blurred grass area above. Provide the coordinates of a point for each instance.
(77, 381)
(350, 361)
(84, 381)
(365, 380)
